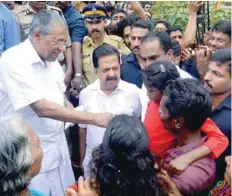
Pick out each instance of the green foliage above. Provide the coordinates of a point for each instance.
(177, 13)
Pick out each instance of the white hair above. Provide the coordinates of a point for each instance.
(43, 21)
(15, 157)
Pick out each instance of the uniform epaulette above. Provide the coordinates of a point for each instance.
(19, 9)
(115, 37)
(55, 9)
(86, 39)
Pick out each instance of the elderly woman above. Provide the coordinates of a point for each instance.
(20, 158)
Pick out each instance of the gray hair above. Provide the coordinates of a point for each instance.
(15, 157)
(43, 21)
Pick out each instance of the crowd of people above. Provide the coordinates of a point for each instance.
(142, 107)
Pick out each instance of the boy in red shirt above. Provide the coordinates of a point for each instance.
(155, 78)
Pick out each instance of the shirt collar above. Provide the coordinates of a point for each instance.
(32, 55)
(106, 40)
(226, 103)
(30, 10)
(131, 57)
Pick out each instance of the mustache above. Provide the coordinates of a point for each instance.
(95, 30)
(111, 78)
(136, 47)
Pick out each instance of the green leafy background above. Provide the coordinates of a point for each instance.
(177, 13)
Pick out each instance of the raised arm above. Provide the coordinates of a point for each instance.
(191, 28)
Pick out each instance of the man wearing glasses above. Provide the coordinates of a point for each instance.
(95, 20)
(107, 94)
(32, 86)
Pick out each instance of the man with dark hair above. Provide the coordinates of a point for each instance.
(221, 35)
(133, 64)
(107, 93)
(163, 26)
(220, 38)
(117, 15)
(95, 20)
(184, 107)
(218, 82)
(155, 78)
(147, 6)
(156, 46)
(176, 34)
(124, 28)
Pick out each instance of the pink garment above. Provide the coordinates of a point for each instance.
(199, 176)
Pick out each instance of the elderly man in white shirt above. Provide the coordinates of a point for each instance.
(156, 46)
(107, 94)
(32, 86)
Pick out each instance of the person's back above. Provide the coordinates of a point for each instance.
(122, 165)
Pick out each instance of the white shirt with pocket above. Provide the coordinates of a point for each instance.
(124, 100)
(25, 79)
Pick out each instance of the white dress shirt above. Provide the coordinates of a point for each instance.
(145, 99)
(124, 100)
(25, 79)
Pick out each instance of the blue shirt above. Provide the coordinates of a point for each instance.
(76, 24)
(34, 192)
(9, 30)
(190, 67)
(221, 116)
(131, 71)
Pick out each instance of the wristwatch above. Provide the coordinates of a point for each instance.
(79, 75)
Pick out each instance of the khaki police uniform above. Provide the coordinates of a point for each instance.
(24, 15)
(89, 75)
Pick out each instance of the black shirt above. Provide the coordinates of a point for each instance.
(221, 116)
(131, 71)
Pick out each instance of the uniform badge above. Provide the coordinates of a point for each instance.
(94, 9)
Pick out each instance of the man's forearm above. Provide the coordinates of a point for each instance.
(198, 153)
(77, 57)
(68, 59)
(47, 109)
(190, 31)
(136, 6)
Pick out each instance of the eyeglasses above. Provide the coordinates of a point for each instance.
(61, 43)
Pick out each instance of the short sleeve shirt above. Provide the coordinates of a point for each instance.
(24, 80)
(75, 23)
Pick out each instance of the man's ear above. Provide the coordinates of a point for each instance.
(96, 70)
(170, 54)
(37, 35)
(105, 22)
(179, 122)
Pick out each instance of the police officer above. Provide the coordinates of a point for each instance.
(25, 14)
(95, 21)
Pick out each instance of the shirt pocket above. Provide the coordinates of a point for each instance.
(87, 63)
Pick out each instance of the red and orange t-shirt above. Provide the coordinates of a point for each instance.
(161, 139)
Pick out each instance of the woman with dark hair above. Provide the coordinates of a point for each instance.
(122, 164)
